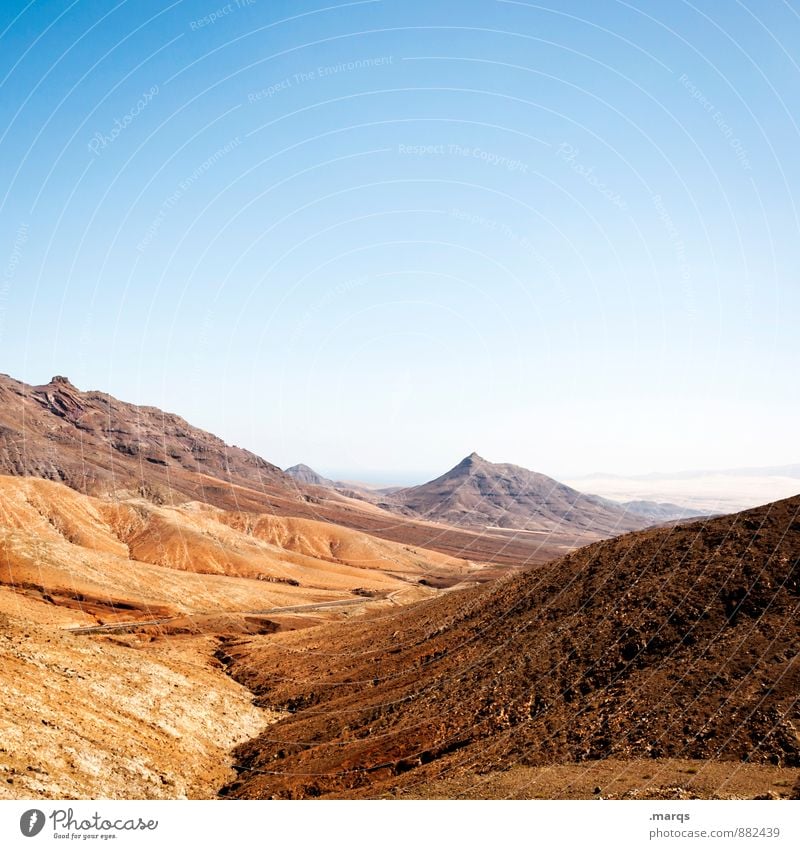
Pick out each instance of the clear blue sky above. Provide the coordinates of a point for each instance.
(376, 236)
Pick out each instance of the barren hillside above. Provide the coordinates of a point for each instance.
(672, 643)
(131, 559)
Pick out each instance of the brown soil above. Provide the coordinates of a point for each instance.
(152, 714)
(678, 643)
(618, 779)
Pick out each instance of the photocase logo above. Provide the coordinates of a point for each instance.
(31, 822)
(66, 825)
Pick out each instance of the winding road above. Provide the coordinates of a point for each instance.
(273, 611)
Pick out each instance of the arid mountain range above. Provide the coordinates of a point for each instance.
(489, 633)
(104, 447)
(99, 445)
(479, 494)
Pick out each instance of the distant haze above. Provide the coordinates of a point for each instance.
(723, 491)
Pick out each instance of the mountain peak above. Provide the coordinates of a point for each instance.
(305, 474)
(479, 493)
(60, 380)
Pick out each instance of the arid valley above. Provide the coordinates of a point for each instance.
(182, 619)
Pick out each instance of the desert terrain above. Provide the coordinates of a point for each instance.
(112, 614)
(181, 618)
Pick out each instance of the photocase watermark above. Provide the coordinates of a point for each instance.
(487, 156)
(203, 346)
(86, 348)
(719, 119)
(523, 242)
(315, 74)
(679, 247)
(183, 186)
(10, 271)
(64, 824)
(341, 289)
(20, 238)
(100, 141)
(569, 154)
(218, 14)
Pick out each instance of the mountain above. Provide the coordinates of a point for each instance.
(97, 444)
(664, 651)
(477, 493)
(305, 474)
(657, 511)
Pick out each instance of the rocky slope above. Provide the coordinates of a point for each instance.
(679, 642)
(99, 718)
